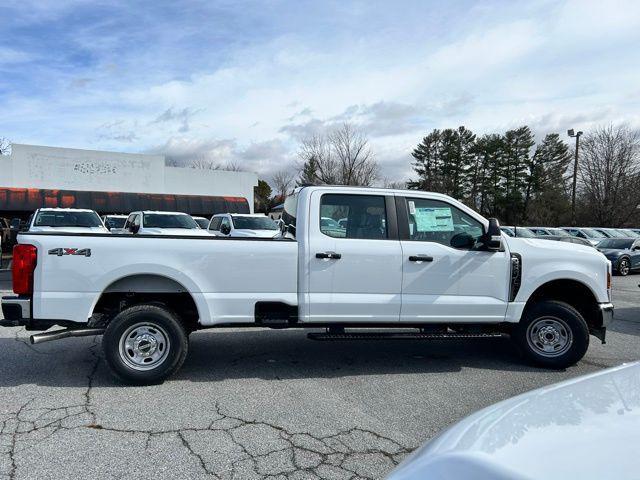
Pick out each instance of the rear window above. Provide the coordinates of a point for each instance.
(157, 220)
(620, 243)
(67, 219)
(253, 223)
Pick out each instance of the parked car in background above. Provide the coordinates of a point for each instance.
(71, 220)
(557, 423)
(587, 233)
(161, 223)
(610, 232)
(114, 221)
(202, 222)
(540, 231)
(243, 225)
(558, 232)
(624, 254)
(5, 234)
(630, 233)
(518, 232)
(568, 239)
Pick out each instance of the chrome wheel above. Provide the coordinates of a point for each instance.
(144, 346)
(624, 267)
(549, 336)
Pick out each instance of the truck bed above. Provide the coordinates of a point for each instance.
(232, 274)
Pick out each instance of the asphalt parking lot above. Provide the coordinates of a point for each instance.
(263, 403)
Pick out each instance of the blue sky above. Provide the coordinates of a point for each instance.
(245, 81)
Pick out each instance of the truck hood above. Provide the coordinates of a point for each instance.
(255, 233)
(187, 232)
(517, 243)
(70, 229)
(588, 427)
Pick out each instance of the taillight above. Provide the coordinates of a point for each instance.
(24, 263)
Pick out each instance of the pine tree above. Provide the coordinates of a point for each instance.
(309, 173)
(427, 157)
(517, 151)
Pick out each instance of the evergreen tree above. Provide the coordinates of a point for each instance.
(262, 197)
(488, 186)
(517, 152)
(427, 157)
(309, 173)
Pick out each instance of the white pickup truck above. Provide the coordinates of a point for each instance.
(411, 264)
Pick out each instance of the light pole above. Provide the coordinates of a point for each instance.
(571, 133)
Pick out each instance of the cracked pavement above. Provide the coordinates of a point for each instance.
(262, 403)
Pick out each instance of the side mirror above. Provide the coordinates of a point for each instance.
(108, 226)
(492, 239)
(225, 229)
(23, 227)
(134, 228)
(463, 241)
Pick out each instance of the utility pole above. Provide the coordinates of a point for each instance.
(575, 175)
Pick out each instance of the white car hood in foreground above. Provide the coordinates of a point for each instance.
(255, 233)
(70, 229)
(585, 428)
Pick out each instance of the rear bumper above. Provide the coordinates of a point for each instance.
(16, 311)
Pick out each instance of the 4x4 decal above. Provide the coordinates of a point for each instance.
(85, 252)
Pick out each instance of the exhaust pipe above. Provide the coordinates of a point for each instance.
(68, 332)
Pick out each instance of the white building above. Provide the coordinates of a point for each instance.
(52, 169)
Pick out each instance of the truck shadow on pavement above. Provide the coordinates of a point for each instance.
(217, 355)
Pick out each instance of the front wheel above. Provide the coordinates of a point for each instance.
(624, 266)
(552, 334)
(145, 344)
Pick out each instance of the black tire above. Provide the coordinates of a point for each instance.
(624, 266)
(158, 333)
(552, 334)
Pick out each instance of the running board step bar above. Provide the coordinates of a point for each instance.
(399, 335)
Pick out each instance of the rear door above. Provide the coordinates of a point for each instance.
(354, 258)
(442, 283)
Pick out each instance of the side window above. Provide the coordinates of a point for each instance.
(215, 223)
(437, 221)
(353, 216)
(136, 220)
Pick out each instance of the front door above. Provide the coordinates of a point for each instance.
(354, 258)
(442, 283)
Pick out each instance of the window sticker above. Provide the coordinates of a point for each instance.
(412, 207)
(433, 219)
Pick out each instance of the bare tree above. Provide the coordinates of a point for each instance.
(203, 163)
(5, 146)
(609, 174)
(341, 157)
(283, 181)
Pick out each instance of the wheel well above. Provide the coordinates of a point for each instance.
(140, 289)
(576, 294)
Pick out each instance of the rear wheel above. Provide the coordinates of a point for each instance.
(552, 334)
(145, 344)
(624, 266)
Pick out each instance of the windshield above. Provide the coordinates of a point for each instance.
(617, 243)
(558, 232)
(67, 219)
(159, 220)
(115, 222)
(591, 233)
(253, 223)
(202, 222)
(615, 233)
(524, 232)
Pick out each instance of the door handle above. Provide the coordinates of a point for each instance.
(420, 258)
(329, 255)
